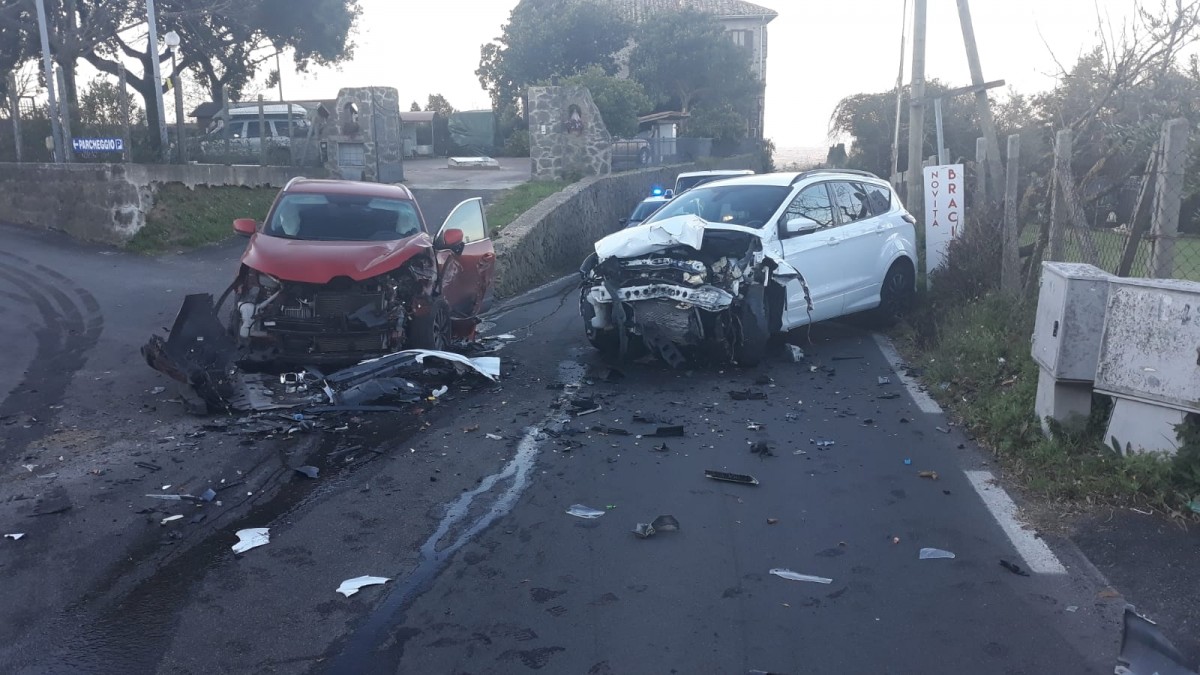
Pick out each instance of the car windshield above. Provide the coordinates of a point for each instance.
(689, 182)
(321, 217)
(645, 210)
(748, 205)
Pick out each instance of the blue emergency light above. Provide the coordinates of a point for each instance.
(656, 191)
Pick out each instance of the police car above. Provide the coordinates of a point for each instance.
(647, 207)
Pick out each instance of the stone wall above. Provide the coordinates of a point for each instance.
(109, 202)
(366, 118)
(554, 237)
(567, 135)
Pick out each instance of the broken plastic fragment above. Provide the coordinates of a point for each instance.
(252, 538)
(660, 524)
(795, 353)
(928, 474)
(309, 471)
(1014, 568)
(884, 380)
(822, 444)
(668, 432)
(15, 536)
(581, 511)
(761, 448)
(493, 437)
(662, 447)
(351, 586)
(730, 477)
(170, 519)
(170, 498)
(934, 554)
(208, 495)
(440, 391)
(796, 576)
(748, 395)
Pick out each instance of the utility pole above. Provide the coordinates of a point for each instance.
(279, 72)
(995, 172)
(156, 73)
(894, 168)
(48, 64)
(916, 115)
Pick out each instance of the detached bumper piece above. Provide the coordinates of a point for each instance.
(202, 356)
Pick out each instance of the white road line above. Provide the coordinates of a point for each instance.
(923, 400)
(1038, 556)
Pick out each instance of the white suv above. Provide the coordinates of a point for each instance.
(723, 265)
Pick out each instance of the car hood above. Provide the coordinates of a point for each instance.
(318, 262)
(687, 230)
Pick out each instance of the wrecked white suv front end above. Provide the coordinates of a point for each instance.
(682, 288)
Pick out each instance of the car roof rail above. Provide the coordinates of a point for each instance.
(293, 181)
(816, 172)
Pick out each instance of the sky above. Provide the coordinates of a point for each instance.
(820, 51)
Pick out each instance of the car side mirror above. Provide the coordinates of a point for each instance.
(797, 225)
(623, 221)
(450, 240)
(245, 226)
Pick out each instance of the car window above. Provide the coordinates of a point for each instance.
(748, 205)
(468, 217)
(813, 203)
(343, 218)
(645, 210)
(252, 129)
(849, 201)
(879, 198)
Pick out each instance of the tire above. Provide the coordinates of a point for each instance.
(752, 319)
(897, 295)
(432, 331)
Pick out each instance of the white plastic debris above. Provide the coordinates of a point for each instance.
(506, 336)
(440, 391)
(935, 554)
(494, 437)
(171, 519)
(796, 576)
(15, 536)
(581, 511)
(686, 230)
(795, 353)
(351, 586)
(251, 538)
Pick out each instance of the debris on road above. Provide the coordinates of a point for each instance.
(351, 586)
(884, 380)
(944, 430)
(1014, 568)
(208, 495)
(755, 426)
(171, 519)
(795, 354)
(822, 444)
(846, 358)
(796, 576)
(581, 511)
(928, 474)
(252, 538)
(662, 447)
(170, 498)
(907, 461)
(493, 437)
(772, 521)
(609, 431)
(660, 524)
(730, 477)
(762, 449)
(747, 395)
(308, 471)
(934, 554)
(16, 536)
(674, 431)
(888, 396)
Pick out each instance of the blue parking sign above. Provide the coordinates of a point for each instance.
(98, 144)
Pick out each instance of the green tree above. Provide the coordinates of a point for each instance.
(549, 38)
(619, 100)
(415, 107)
(100, 105)
(686, 60)
(438, 104)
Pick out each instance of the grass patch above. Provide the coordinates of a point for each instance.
(185, 218)
(512, 203)
(971, 345)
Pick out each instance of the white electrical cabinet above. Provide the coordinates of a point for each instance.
(1070, 320)
(1150, 348)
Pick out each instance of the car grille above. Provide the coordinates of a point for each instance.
(331, 304)
(665, 318)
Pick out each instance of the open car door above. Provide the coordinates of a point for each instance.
(467, 279)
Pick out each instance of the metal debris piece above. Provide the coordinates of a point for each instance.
(252, 537)
(15, 536)
(795, 353)
(884, 380)
(928, 474)
(660, 524)
(351, 586)
(668, 432)
(748, 395)
(171, 519)
(170, 498)
(796, 576)
(1014, 568)
(309, 471)
(934, 554)
(730, 477)
(581, 511)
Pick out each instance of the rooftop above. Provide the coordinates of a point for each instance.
(638, 10)
(348, 187)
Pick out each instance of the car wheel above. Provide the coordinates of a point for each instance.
(432, 330)
(752, 319)
(644, 157)
(897, 295)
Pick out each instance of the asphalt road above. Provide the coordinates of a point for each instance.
(489, 574)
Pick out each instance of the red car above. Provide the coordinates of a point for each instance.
(341, 271)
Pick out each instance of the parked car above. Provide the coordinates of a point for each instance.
(646, 208)
(631, 152)
(242, 135)
(723, 266)
(691, 179)
(342, 271)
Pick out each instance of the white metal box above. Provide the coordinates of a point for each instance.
(1150, 349)
(1070, 319)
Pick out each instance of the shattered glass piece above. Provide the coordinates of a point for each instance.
(581, 511)
(796, 576)
(730, 477)
(351, 586)
(934, 554)
(309, 471)
(251, 538)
